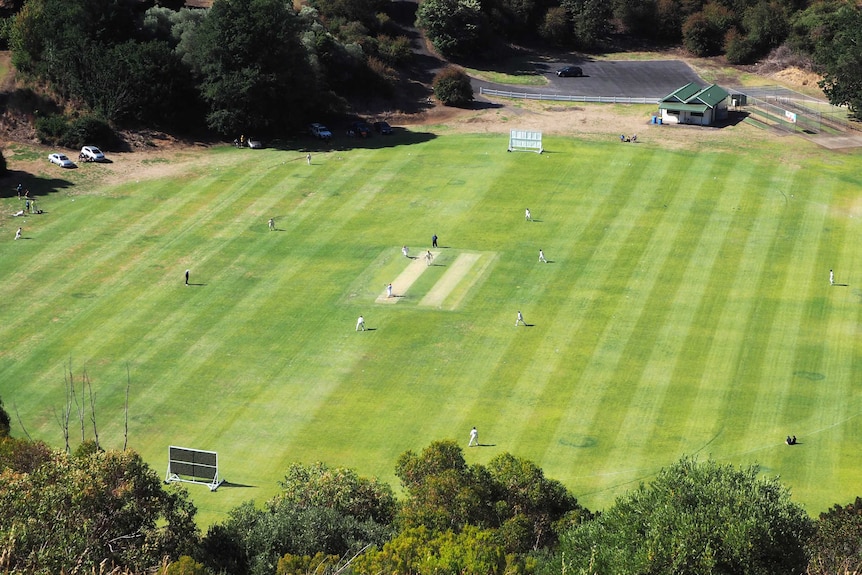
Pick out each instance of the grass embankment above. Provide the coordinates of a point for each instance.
(685, 310)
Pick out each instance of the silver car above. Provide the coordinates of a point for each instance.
(61, 160)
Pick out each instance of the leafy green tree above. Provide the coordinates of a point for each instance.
(530, 504)
(766, 25)
(703, 32)
(512, 497)
(738, 48)
(420, 551)
(694, 518)
(77, 513)
(591, 21)
(808, 26)
(337, 488)
(22, 456)
(321, 510)
(350, 10)
(253, 71)
(836, 546)
(443, 492)
(838, 52)
(513, 19)
(452, 87)
(556, 27)
(457, 28)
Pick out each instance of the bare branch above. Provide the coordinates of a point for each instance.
(126, 408)
(21, 423)
(92, 409)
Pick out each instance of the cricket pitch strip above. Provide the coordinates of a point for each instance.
(447, 292)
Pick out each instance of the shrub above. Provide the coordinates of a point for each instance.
(738, 48)
(394, 51)
(87, 130)
(556, 28)
(51, 129)
(452, 87)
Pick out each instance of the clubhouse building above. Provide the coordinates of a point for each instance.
(693, 104)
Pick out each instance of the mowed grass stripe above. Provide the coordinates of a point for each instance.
(615, 253)
(728, 354)
(693, 388)
(672, 289)
(648, 279)
(561, 208)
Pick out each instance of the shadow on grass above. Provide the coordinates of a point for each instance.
(340, 143)
(228, 484)
(39, 187)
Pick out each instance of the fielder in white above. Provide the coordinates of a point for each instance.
(360, 324)
(542, 257)
(520, 320)
(474, 438)
(527, 216)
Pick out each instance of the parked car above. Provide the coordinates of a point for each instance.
(255, 144)
(570, 72)
(91, 154)
(61, 160)
(320, 131)
(382, 128)
(359, 129)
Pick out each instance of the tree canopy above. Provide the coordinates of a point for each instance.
(698, 519)
(88, 509)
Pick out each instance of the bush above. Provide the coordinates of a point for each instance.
(738, 48)
(87, 130)
(452, 87)
(51, 129)
(556, 27)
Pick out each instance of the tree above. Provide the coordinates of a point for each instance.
(321, 510)
(836, 546)
(253, 71)
(703, 32)
(5, 421)
(452, 87)
(419, 551)
(443, 492)
(766, 26)
(530, 504)
(694, 518)
(511, 497)
(838, 52)
(457, 28)
(340, 489)
(76, 513)
(591, 20)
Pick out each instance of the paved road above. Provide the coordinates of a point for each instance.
(620, 78)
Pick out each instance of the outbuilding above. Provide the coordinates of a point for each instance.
(693, 104)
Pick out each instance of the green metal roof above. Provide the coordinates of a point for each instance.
(682, 94)
(693, 95)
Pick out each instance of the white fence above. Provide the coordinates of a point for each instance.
(567, 98)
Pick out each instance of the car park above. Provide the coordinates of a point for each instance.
(91, 154)
(359, 129)
(320, 131)
(570, 72)
(61, 160)
(382, 128)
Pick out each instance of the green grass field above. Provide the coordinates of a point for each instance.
(686, 309)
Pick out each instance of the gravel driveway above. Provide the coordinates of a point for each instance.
(609, 78)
